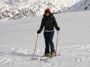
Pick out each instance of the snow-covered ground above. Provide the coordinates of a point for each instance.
(82, 5)
(17, 41)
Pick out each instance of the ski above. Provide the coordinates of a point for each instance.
(43, 58)
(46, 59)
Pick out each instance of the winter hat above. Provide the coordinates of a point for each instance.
(47, 10)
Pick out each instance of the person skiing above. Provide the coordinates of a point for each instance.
(48, 23)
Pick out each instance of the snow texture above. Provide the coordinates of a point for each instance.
(16, 9)
(82, 5)
(17, 42)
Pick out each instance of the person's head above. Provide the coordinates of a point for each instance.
(47, 12)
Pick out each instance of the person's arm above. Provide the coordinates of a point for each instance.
(55, 24)
(41, 26)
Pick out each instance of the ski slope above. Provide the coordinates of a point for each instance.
(17, 41)
(82, 5)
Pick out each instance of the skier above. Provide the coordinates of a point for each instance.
(48, 23)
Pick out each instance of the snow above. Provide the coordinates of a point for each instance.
(82, 5)
(14, 9)
(18, 37)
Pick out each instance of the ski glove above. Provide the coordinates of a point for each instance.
(38, 32)
(58, 28)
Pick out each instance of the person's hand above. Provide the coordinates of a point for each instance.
(38, 32)
(58, 28)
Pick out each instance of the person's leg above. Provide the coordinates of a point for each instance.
(51, 42)
(46, 37)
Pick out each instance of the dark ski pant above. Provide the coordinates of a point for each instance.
(49, 46)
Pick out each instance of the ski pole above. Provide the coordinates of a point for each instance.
(57, 41)
(35, 46)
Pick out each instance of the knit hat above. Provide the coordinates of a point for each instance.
(47, 10)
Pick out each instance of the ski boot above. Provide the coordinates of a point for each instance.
(53, 54)
(47, 55)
